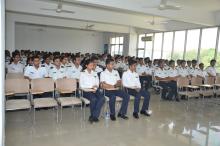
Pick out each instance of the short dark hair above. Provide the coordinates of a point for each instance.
(131, 62)
(171, 61)
(194, 61)
(108, 61)
(93, 58)
(15, 54)
(87, 61)
(75, 56)
(35, 57)
(213, 60)
(56, 57)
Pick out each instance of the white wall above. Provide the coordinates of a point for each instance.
(57, 39)
(2, 73)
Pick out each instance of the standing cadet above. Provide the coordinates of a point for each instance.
(15, 66)
(89, 83)
(131, 82)
(111, 82)
(36, 70)
(167, 80)
(57, 71)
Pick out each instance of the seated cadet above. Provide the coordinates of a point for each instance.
(89, 83)
(211, 70)
(189, 65)
(201, 72)
(182, 70)
(64, 61)
(110, 80)
(35, 71)
(167, 80)
(46, 62)
(96, 68)
(141, 70)
(15, 66)
(74, 70)
(57, 71)
(131, 82)
(193, 71)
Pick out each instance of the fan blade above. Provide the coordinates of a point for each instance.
(48, 9)
(172, 7)
(67, 11)
(90, 25)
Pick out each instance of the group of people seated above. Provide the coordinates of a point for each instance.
(117, 76)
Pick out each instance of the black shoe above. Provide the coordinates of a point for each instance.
(112, 117)
(145, 113)
(177, 100)
(90, 119)
(123, 116)
(135, 115)
(95, 120)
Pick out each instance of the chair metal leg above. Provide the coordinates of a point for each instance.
(57, 116)
(61, 114)
(34, 116)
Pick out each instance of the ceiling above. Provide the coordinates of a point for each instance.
(124, 14)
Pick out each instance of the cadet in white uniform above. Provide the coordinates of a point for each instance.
(193, 71)
(89, 83)
(57, 71)
(96, 68)
(201, 72)
(35, 71)
(141, 69)
(131, 82)
(167, 81)
(111, 82)
(74, 70)
(182, 70)
(15, 66)
(211, 70)
(46, 62)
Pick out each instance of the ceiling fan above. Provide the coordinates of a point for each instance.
(152, 22)
(165, 6)
(88, 27)
(59, 8)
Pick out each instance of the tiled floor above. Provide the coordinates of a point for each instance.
(195, 123)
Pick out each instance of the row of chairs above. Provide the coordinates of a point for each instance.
(196, 87)
(21, 87)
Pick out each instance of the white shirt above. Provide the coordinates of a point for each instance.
(161, 73)
(73, 72)
(211, 70)
(88, 80)
(57, 73)
(34, 73)
(140, 69)
(183, 72)
(110, 78)
(193, 71)
(98, 69)
(202, 73)
(149, 70)
(172, 72)
(15, 68)
(131, 79)
(47, 66)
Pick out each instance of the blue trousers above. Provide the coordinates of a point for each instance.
(137, 99)
(170, 87)
(96, 102)
(112, 98)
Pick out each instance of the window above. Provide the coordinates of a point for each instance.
(167, 45)
(141, 43)
(157, 45)
(208, 42)
(179, 42)
(192, 44)
(141, 53)
(117, 45)
(148, 46)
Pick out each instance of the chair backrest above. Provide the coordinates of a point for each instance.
(66, 84)
(196, 81)
(17, 86)
(14, 76)
(182, 82)
(42, 84)
(210, 80)
(217, 81)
